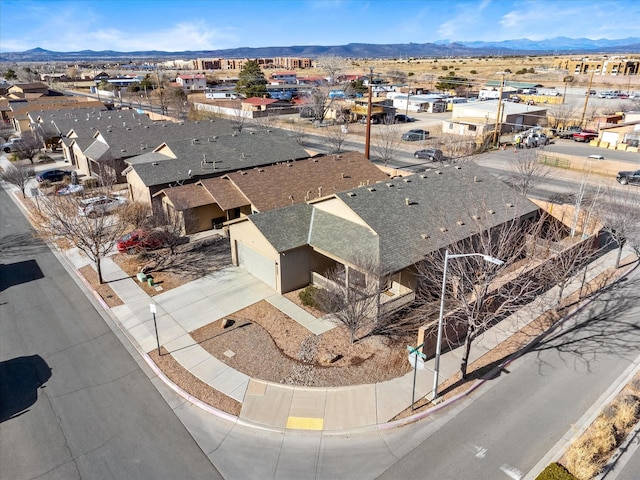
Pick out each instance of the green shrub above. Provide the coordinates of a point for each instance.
(555, 471)
(308, 296)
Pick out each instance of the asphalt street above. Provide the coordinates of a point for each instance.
(73, 402)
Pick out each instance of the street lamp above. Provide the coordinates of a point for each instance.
(447, 256)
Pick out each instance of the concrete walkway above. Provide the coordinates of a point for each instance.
(275, 406)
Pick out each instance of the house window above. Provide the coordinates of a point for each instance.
(472, 128)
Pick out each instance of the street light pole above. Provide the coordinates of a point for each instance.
(436, 369)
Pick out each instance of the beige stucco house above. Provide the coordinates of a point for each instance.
(391, 225)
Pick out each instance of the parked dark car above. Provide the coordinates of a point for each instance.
(631, 178)
(140, 241)
(433, 154)
(400, 118)
(55, 175)
(415, 135)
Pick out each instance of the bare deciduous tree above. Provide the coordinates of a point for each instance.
(17, 174)
(239, 119)
(335, 136)
(332, 65)
(478, 292)
(386, 141)
(58, 218)
(620, 217)
(352, 296)
(527, 170)
(28, 147)
(321, 102)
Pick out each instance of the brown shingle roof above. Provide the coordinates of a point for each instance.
(224, 192)
(187, 196)
(294, 182)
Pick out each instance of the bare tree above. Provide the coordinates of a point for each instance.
(336, 136)
(136, 214)
(352, 296)
(28, 147)
(397, 76)
(563, 255)
(59, 219)
(387, 142)
(172, 225)
(620, 217)
(562, 116)
(527, 170)
(239, 119)
(17, 174)
(264, 123)
(321, 102)
(478, 292)
(332, 65)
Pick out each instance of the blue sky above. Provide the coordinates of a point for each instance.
(169, 25)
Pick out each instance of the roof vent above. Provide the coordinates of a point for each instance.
(252, 133)
(407, 202)
(438, 172)
(351, 194)
(155, 164)
(289, 164)
(444, 229)
(371, 189)
(460, 223)
(475, 217)
(193, 141)
(491, 212)
(123, 150)
(261, 169)
(423, 176)
(424, 236)
(338, 157)
(315, 160)
(510, 205)
(407, 180)
(243, 173)
(390, 185)
(458, 167)
(476, 180)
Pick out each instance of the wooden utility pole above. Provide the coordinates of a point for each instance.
(498, 124)
(586, 99)
(367, 143)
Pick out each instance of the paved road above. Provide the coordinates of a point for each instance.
(73, 402)
(507, 428)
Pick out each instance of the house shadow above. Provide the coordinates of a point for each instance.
(18, 273)
(20, 379)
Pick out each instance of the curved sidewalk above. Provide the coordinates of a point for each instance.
(276, 406)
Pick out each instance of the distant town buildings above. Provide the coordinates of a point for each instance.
(238, 63)
(601, 66)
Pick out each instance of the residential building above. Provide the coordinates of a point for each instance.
(192, 82)
(210, 202)
(390, 226)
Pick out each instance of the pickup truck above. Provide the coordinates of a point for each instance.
(10, 145)
(584, 136)
(568, 132)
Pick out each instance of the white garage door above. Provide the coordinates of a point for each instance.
(257, 264)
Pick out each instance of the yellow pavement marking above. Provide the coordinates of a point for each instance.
(305, 423)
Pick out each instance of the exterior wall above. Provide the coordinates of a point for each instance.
(137, 189)
(204, 217)
(247, 233)
(295, 269)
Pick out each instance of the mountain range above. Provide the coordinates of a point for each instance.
(442, 48)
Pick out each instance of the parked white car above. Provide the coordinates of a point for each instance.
(10, 145)
(94, 206)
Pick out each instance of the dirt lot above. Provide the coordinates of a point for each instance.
(268, 345)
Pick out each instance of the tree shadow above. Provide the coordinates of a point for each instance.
(18, 273)
(20, 379)
(603, 325)
(20, 244)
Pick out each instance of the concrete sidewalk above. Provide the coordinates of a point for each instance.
(275, 406)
